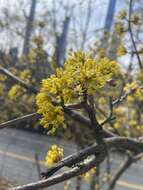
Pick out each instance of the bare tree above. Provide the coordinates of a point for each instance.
(29, 27)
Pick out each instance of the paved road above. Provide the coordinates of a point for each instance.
(17, 163)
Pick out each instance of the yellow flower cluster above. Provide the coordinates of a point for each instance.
(119, 27)
(25, 75)
(1, 89)
(15, 91)
(41, 24)
(130, 98)
(121, 50)
(2, 77)
(53, 116)
(38, 40)
(134, 88)
(140, 51)
(135, 91)
(136, 19)
(101, 52)
(140, 76)
(80, 73)
(67, 185)
(139, 127)
(54, 155)
(122, 14)
(35, 54)
(88, 175)
(117, 125)
(106, 177)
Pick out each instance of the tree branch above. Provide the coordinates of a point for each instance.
(124, 166)
(131, 33)
(18, 120)
(59, 177)
(116, 142)
(18, 80)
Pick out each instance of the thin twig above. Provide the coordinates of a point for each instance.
(16, 79)
(131, 33)
(18, 120)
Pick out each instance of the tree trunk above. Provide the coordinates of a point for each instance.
(29, 27)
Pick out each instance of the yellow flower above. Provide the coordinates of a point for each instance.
(119, 28)
(130, 99)
(88, 175)
(117, 125)
(140, 76)
(54, 155)
(2, 77)
(122, 14)
(102, 101)
(134, 88)
(52, 115)
(106, 177)
(80, 73)
(1, 88)
(25, 75)
(101, 52)
(121, 50)
(136, 19)
(67, 185)
(15, 91)
(38, 40)
(97, 186)
(35, 54)
(132, 123)
(131, 87)
(41, 24)
(78, 89)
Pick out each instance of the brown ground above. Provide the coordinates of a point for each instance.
(5, 184)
